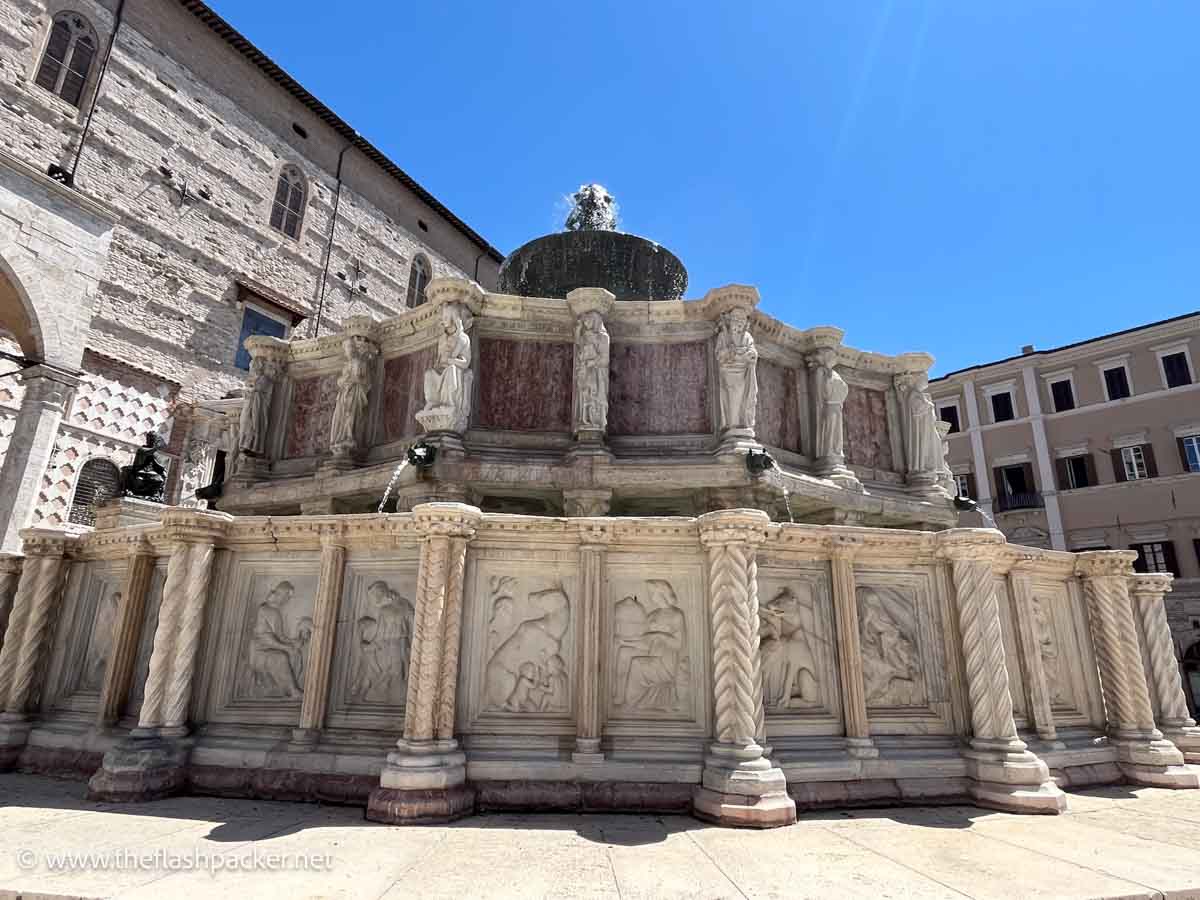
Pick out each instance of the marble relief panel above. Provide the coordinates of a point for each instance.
(654, 649)
(310, 415)
(403, 394)
(519, 660)
(265, 640)
(865, 425)
(903, 656)
(373, 647)
(525, 385)
(1059, 646)
(797, 648)
(84, 642)
(778, 418)
(659, 389)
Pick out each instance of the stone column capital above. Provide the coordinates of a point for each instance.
(446, 519)
(594, 534)
(846, 546)
(733, 526)
(185, 525)
(1102, 563)
(48, 384)
(976, 544)
(441, 291)
(1151, 584)
(590, 299)
(47, 542)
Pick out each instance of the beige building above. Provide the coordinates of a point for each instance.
(1089, 446)
(166, 191)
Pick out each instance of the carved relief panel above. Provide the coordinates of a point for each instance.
(84, 640)
(373, 647)
(797, 646)
(263, 645)
(1059, 624)
(310, 416)
(654, 648)
(903, 655)
(518, 671)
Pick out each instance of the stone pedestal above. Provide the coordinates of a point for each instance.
(152, 761)
(128, 511)
(740, 786)
(1162, 668)
(1143, 754)
(424, 779)
(27, 638)
(587, 502)
(1004, 774)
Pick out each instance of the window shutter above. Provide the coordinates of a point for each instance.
(1169, 556)
(1090, 462)
(973, 492)
(1151, 467)
(1118, 466)
(1061, 473)
(1139, 564)
(1196, 547)
(998, 477)
(55, 56)
(1183, 460)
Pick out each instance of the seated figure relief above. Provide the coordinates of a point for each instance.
(890, 658)
(383, 648)
(277, 658)
(651, 669)
(789, 665)
(526, 670)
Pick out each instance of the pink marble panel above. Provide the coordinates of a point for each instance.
(865, 427)
(404, 393)
(525, 385)
(778, 421)
(310, 416)
(659, 389)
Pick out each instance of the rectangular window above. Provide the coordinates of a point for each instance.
(950, 414)
(1134, 461)
(1064, 397)
(1078, 471)
(1002, 407)
(254, 322)
(1157, 556)
(1116, 383)
(1189, 452)
(1175, 370)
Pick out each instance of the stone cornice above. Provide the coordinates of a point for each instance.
(95, 208)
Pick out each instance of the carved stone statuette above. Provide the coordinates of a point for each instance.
(922, 443)
(831, 391)
(256, 409)
(591, 374)
(354, 389)
(448, 383)
(737, 360)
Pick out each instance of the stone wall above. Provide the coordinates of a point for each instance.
(527, 656)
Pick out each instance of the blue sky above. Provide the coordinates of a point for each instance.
(957, 177)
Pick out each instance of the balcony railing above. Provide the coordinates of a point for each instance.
(1023, 500)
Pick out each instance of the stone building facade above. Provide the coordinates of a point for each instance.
(199, 195)
(1093, 445)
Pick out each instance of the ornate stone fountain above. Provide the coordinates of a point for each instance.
(591, 596)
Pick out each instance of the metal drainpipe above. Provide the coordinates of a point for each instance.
(87, 125)
(337, 199)
(477, 259)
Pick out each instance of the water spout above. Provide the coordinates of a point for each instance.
(404, 464)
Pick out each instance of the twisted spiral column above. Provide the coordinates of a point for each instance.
(426, 658)
(163, 651)
(187, 641)
(1162, 668)
(448, 680)
(983, 649)
(14, 637)
(736, 689)
(10, 577)
(43, 601)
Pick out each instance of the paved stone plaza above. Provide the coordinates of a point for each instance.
(1113, 842)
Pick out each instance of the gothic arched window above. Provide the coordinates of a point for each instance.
(287, 210)
(98, 482)
(68, 58)
(418, 280)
